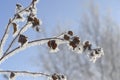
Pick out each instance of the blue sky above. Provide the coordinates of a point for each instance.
(66, 13)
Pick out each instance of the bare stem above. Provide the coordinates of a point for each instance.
(25, 73)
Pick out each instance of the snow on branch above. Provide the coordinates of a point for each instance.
(13, 74)
(5, 36)
(23, 73)
(29, 44)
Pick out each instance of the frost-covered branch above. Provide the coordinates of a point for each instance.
(29, 44)
(20, 73)
(5, 36)
(13, 74)
(16, 37)
(73, 43)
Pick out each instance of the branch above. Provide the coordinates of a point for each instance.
(29, 44)
(14, 74)
(25, 73)
(5, 36)
(25, 8)
(15, 38)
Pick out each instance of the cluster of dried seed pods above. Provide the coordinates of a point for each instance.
(78, 46)
(56, 76)
(52, 44)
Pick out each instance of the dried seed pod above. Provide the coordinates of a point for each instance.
(52, 44)
(90, 47)
(30, 8)
(54, 76)
(22, 39)
(96, 52)
(70, 33)
(76, 40)
(29, 19)
(72, 44)
(49, 43)
(62, 76)
(87, 45)
(35, 22)
(37, 29)
(12, 75)
(18, 5)
(92, 54)
(57, 77)
(99, 49)
(66, 37)
(14, 27)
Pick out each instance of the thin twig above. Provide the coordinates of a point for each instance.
(25, 73)
(15, 38)
(60, 34)
(5, 34)
(29, 44)
(20, 30)
(24, 8)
